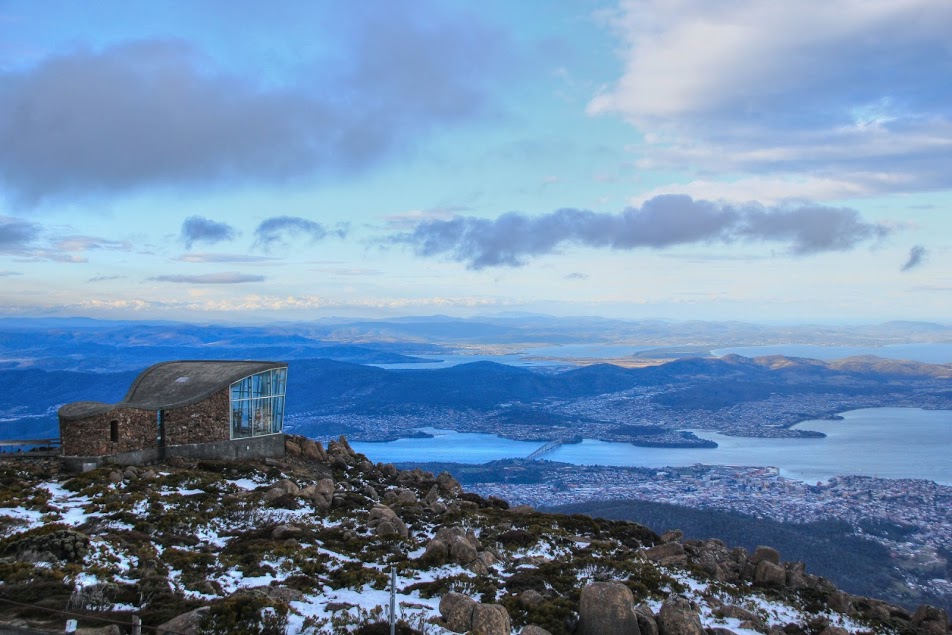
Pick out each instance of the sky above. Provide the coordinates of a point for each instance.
(250, 161)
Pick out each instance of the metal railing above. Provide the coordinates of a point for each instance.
(27, 448)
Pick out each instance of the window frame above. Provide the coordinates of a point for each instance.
(256, 404)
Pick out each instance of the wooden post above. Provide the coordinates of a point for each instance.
(136, 625)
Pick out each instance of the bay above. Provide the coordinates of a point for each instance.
(446, 445)
(531, 357)
(883, 442)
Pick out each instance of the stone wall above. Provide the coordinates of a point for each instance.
(91, 436)
(202, 422)
(206, 423)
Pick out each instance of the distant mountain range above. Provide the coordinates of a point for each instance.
(50, 361)
(85, 344)
(323, 386)
(134, 346)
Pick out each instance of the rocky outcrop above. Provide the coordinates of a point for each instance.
(930, 620)
(340, 455)
(490, 619)
(385, 522)
(456, 610)
(679, 617)
(373, 515)
(721, 563)
(313, 450)
(607, 608)
(185, 624)
(747, 619)
(668, 553)
(769, 574)
(530, 598)
(461, 613)
(65, 544)
(646, 620)
(455, 544)
(448, 485)
(436, 553)
(320, 494)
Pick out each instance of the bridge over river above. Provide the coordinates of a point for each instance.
(545, 449)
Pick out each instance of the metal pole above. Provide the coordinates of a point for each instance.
(393, 600)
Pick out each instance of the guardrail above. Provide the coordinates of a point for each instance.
(26, 448)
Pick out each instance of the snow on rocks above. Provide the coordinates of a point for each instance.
(310, 541)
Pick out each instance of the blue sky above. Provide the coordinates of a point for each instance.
(252, 161)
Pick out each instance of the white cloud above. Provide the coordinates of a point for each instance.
(410, 218)
(264, 303)
(225, 258)
(88, 243)
(694, 56)
(769, 190)
(847, 90)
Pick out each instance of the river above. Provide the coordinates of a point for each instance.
(884, 442)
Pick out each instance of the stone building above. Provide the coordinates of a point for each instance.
(198, 409)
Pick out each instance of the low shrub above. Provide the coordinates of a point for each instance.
(246, 614)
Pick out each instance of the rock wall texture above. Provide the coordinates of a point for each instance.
(92, 436)
(204, 422)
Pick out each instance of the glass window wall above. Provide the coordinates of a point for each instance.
(257, 404)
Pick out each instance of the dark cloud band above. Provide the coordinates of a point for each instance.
(661, 222)
(158, 112)
(226, 277)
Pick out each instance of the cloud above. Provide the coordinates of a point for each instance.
(30, 242)
(577, 276)
(279, 229)
(409, 219)
(20, 238)
(348, 271)
(10, 274)
(839, 89)
(225, 258)
(768, 190)
(225, 277)
(16, 235)
(104, 278)
(281, 304)
(916, 257)
(809, 229)
(198, 229)
(159, 112)
(664, 221)
(89, 243)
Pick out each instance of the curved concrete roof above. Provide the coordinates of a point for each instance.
(172, 385)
